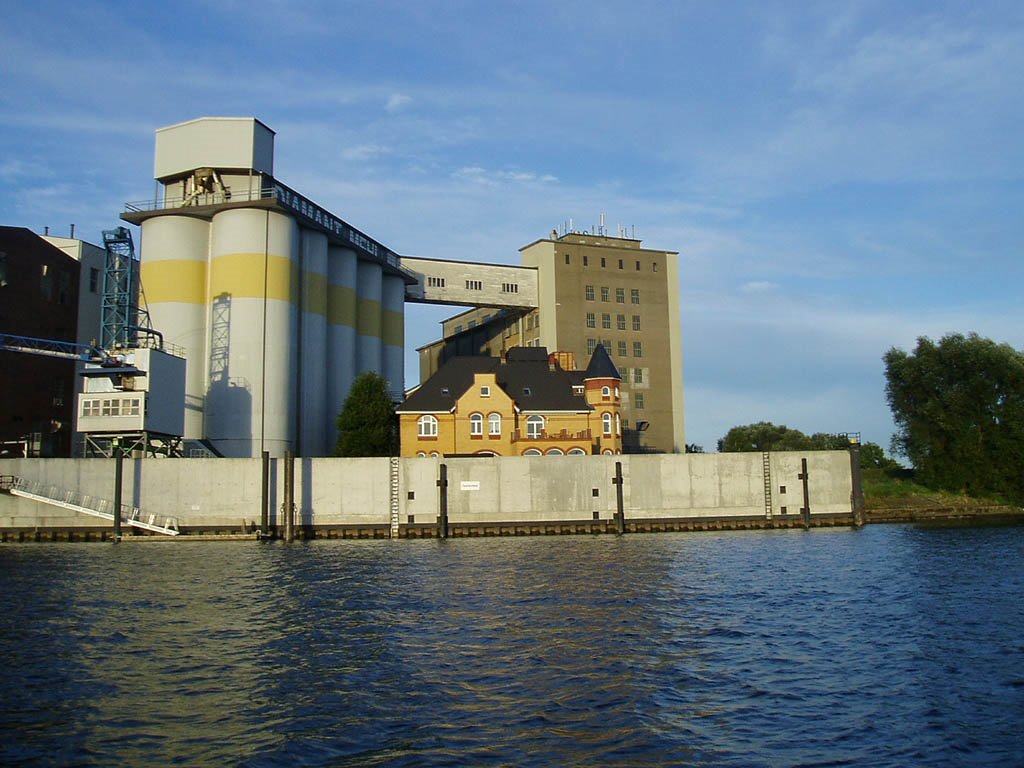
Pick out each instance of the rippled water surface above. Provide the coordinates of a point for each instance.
(888, 646)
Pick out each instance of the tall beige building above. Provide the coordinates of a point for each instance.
(590, 289)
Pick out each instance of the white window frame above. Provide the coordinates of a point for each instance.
(494, 424)
(606, 423)
(476, 424)
(534, 426)
(426, 426)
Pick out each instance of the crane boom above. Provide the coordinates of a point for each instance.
(65, 350)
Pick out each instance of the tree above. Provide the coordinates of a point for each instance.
(366, 424)
(959, 412)
(765, 436)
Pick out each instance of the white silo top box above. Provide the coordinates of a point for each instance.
(221, 143)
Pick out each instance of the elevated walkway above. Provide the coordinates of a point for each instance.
(85, 504)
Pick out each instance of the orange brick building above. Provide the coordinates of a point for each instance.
(527, 403)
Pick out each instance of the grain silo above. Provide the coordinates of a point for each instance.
(278, 303)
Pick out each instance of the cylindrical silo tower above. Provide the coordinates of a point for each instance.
(253, 266)
(278, 303)
(393, 333)
(313, 415)
(341, 332)
(174, 280)
(369, 346)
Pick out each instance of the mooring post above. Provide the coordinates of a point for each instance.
(620, 515)
(289, 496)
(265, 497)
(442, 490)
(118, 477)
(857, 483)
(806, 509)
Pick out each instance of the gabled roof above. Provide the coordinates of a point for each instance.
(601, 366)
(526, 377)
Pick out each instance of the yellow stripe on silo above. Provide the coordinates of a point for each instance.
(393, 328)
(174, 280)
(368, 319)
(341, 305)
(241, 276)
(315, 293)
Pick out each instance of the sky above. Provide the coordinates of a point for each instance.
(838, 178)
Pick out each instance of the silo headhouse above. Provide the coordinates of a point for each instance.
(278, 303)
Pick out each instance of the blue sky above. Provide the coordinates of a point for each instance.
(838, 178)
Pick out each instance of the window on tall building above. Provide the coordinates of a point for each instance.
(620, 263)
(94, 279)
(620, 322)
(634, 295)
(435, 282)
(591, 346)
(426, 426)
(654, 266)
(607, 344)
(591, 320)
(567, 258)
(636, 322)
(510, 287)
(602, 261)
(638, 266)
(534, 427)
(474, 285)
(604, 293)
(638, 375)
(638, 349)
(606, 320)
(620, 295)
(622, 348)
(586, 261)
(588, 293)
(476, 424)
(638, 400)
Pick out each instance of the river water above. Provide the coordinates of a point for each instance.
(888, 646)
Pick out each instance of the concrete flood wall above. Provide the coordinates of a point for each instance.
(225, 494)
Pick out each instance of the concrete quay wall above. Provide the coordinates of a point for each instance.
(225, 494)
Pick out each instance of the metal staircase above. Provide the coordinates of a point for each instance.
(88, 505)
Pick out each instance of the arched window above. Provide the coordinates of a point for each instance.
(618, 425)
(534, 426)
(555, 452)
(607, 452)
(435, 455)
(427, 426)
(577, 452)
(476, 424)
(606, 391)
(421, 455)
(606, 423)
(485, 453)
(494, 424)
(531, 452)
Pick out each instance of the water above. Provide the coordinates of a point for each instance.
(890, 646)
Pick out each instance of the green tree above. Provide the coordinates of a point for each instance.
(765, 436)
(959, 411)
(366, 424)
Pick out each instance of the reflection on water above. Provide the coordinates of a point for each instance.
(889, 646)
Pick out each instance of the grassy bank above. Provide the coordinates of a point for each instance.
(884, 489)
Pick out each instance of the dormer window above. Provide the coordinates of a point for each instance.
(445, 392)
(577, 389)
(527, 391)
(485, 391)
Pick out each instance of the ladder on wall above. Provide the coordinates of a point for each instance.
(766, 465)
(394, 483)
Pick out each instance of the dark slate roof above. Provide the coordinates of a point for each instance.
(525, 370)
(601, 366)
